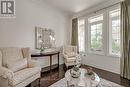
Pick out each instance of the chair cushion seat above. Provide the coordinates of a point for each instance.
(19, 65)
(71, 54)
(72, 59)
(24, 74)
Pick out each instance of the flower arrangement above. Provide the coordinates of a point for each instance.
(76, 68)
(75, 71)
(42, 49)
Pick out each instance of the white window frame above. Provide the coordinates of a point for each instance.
(105, 51)
(108, 30)
(89, 51)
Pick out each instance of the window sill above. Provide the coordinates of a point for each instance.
(102, 54)
(115, 56)
(96, 53)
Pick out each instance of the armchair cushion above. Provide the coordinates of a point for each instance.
(18, 65)
(24, 74)
(71, 54)
(72, 59)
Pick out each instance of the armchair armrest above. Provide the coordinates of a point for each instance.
(65, 56)
(78, 55)
(7, 75)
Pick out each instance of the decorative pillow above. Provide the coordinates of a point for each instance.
(10, 54)
(18, 65)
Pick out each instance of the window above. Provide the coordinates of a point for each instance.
(95, 25)
(114, 32)
(103, 32)
(81, 35)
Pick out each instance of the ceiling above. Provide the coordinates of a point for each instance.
(74, 6)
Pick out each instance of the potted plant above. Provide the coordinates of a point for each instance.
(42, 49)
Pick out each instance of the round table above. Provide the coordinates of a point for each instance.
(84, 80)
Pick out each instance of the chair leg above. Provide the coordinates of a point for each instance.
(67, 67)
(39, 84)
(28, 85)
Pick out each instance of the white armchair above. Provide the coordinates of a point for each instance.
(71, 55)
(16, 67)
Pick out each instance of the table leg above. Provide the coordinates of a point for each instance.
(50, 63)
(58, 60)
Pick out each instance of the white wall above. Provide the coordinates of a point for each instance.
(108, 63)
(20, 31)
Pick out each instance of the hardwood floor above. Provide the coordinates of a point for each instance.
(111, 76)
(48, 78)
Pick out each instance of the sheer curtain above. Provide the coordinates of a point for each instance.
(125, 59)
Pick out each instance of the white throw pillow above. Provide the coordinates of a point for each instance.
(18, 65)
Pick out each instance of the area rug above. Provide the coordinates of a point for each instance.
(103, 83)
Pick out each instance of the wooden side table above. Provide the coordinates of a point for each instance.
(50, 54)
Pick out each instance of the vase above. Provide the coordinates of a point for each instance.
(75, 74)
